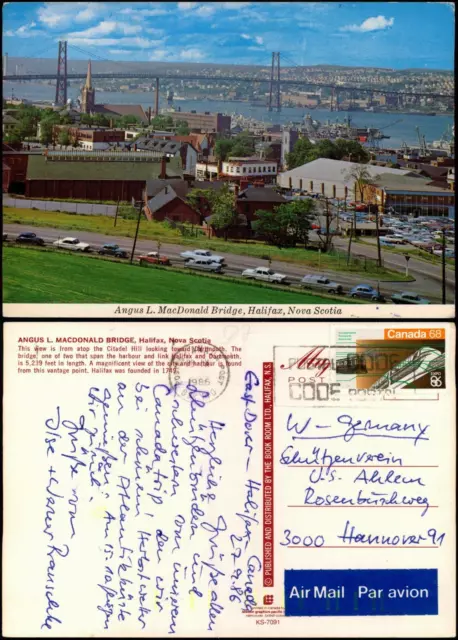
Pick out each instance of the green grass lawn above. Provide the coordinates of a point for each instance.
(34, 275)
(157, 231)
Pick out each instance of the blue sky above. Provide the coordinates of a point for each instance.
(396, 35)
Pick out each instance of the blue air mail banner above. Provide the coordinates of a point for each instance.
(209, 480)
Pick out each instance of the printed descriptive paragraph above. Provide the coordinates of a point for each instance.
(73, 355)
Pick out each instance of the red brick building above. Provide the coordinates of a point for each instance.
(90, 137)
(251, 200)
(6, 177)
(15, 170)
(168, 204)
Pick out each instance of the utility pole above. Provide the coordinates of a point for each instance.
(116, 214)
(349, 244)
(444, 293)
(377, 231)
(139, 204)
(327, 226)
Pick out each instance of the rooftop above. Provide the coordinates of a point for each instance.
(9, 120)
(122, 110)
(155, 186)
(408, 183)
(336, 170)
(161, 199)
(250, 160)
(40, 169)
(261, 194)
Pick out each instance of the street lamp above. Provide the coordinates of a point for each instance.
(407, 264)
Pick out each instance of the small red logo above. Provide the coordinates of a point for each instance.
(311, 361)
(268, 600)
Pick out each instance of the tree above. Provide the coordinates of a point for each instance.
(269, 153)
(13, 137)
(223, 148)
(182, 128)
(127, 121)
(46, 131)
(64, 138)
(287, 225)
(162, 122)
(351, 149)
(361, 178)
(324, 149)
(86, 119)
(299, 154)
(242, 145)
(201, 200)
(224, 213)
(304, 151)
(65, 119)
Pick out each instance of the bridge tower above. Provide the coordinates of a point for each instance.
(275, 83)
(5, 64)
(61, 82)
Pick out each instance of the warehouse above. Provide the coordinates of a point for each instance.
(98, 177)
(330, 177)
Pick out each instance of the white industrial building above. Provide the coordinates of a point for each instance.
(250, 167)
(330, 177)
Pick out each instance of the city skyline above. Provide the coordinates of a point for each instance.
(357, 34)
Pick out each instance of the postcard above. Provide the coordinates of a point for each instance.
(229, 480)
(255, 160)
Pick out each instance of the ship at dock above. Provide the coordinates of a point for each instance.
(333, 130)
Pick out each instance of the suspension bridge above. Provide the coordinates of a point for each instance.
(272, 77)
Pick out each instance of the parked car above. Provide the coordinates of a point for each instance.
(204, 264)
(396, 239)
(367, 292)
(405, 297)
(72, 243)
(386, 240)
(113, 250)
(30, 238)
(263, 273)
(449, 253)
(321, 282)
(153, 257)
(201, 253)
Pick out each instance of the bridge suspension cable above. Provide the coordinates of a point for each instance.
(99, 58)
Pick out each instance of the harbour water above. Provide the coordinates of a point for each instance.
(404, 129)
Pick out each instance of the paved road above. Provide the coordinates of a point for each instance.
(428, 276)
(427, 284)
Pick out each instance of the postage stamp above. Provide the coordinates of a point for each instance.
(362, 368)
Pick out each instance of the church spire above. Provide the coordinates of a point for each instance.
(88, 84)
(88, 93)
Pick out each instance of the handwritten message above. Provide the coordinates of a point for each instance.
(139, 474)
